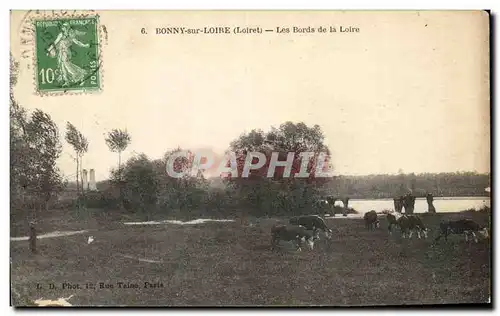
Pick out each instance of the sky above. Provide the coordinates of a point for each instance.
(409, 91)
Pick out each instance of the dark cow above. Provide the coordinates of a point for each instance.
(312, 222)
(407, 224)
(392, 220)
(297, 234)
(410, 223)
(404, 225)
(371, 220)
(461, 226)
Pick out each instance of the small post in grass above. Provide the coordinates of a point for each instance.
(32, 237)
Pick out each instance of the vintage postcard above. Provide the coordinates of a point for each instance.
(250, 158)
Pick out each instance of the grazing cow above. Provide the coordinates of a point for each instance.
(461, 226)
(410, 223)
(407, 224)
(371, 220)
(314, 223)
(404, 225)
(296, 234)
(392, 220)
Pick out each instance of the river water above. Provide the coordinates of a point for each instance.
(442, 204)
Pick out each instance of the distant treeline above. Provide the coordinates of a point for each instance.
(388, 186)
(454, 184)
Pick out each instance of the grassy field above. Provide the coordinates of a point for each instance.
(232, 264)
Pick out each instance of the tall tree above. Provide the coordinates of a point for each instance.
(34, 149)
(280, 192)
(177, 191)
(138, 184)
(17, 145)
(80, 144)
(14, 72)
(288, 137)
(45, 148)
(117, 141)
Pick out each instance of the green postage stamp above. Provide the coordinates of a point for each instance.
(67, 55)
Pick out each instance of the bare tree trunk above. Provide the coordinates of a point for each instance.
(81, 177)
(33, 208)
(120, 165)
(47, 201)
(80, 171)
(120, 184)
(77, 181)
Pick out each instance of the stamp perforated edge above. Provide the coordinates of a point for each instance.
(100, 37)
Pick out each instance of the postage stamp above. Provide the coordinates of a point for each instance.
(67, 55)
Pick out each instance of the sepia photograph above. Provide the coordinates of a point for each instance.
(281, 158)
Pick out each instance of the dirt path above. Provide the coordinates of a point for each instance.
(51, 235)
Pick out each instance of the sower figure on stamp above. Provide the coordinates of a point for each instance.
(69, 73)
